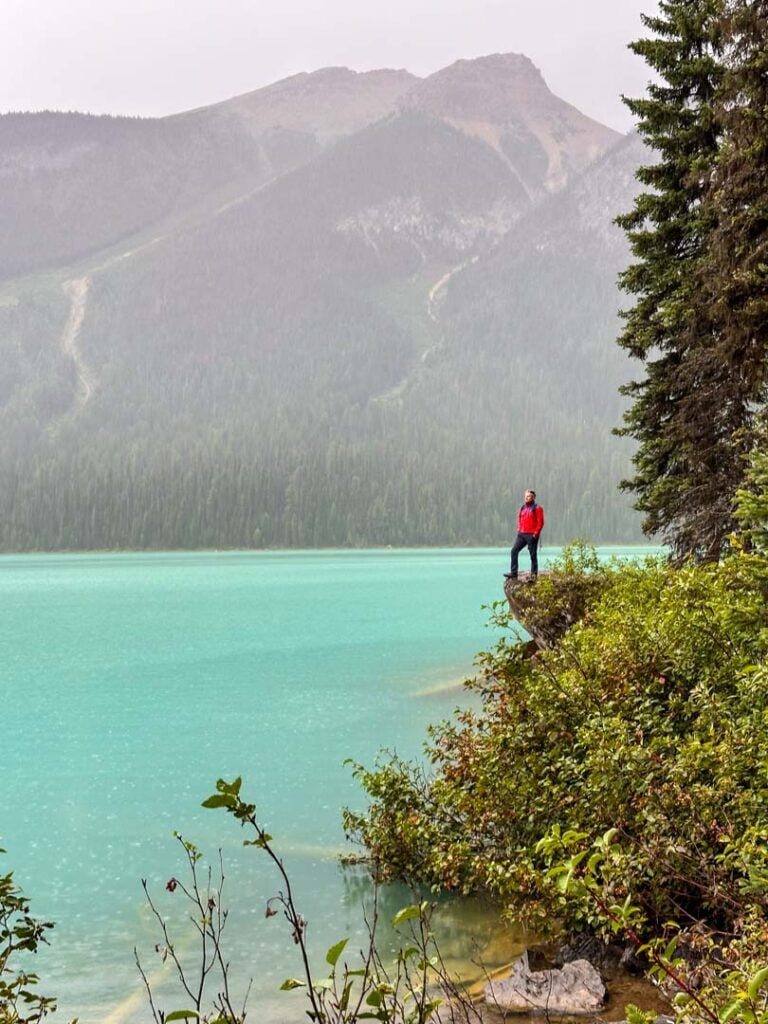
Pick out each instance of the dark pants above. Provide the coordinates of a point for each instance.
(525, 540)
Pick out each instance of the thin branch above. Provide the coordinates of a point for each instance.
(148, 987)
(168, 944)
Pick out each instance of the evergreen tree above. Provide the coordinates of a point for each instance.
(727, 340)
(668, 231)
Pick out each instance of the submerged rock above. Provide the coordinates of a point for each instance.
(576, 989)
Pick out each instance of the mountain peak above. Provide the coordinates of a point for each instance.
(503, 99)
(487, 88)
(501, 66)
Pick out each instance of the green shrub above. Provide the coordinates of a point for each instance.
(650, 715)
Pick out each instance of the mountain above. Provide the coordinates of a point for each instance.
(504, 100)
(326, 104)
(344, 309)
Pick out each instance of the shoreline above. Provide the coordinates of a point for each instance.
(375, 549)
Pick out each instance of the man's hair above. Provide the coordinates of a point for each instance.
(530, 490)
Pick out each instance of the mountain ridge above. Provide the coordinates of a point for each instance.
(341, 101)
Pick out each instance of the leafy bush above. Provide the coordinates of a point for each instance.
(710, 977)
(650, 716)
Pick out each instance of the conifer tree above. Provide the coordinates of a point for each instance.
(668, 230)
(727, 339)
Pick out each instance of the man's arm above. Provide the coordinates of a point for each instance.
(539, 520)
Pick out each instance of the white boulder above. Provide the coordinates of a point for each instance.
(576, 989)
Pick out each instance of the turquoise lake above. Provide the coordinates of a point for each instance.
(130, 682)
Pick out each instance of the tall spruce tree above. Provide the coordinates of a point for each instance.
(668, 230)
(727, 341)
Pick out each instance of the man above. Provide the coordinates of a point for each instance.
(530, 523)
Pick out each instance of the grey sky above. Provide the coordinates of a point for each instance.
(155, 57)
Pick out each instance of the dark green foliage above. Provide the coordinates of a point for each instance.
(707, 975)
(668, 230)
(649, 716)
(726, 341)
(740, 191)
(700, 319)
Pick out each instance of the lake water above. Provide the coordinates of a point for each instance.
(130, 682)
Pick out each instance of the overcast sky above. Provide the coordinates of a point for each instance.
(155, 57)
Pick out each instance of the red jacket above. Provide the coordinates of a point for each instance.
(530, 519)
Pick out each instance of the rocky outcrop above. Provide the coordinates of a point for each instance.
(431, 233)
(548, 607)
(521, 595)
(575, 990)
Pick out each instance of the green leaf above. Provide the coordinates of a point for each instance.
(408, 953)
(564, 881)
(637, 1016)
(406, 914)
(291, 983)
(730, 1010)
(594, 861)
(430, 1007)
(756, 982)
(261, 841)
(182, 1015)
(333, 954)
(219, 800)
(344, 1001)
(576, 859)
(323, 985)
(669, 952)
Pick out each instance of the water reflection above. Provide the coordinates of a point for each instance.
(473, 939)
